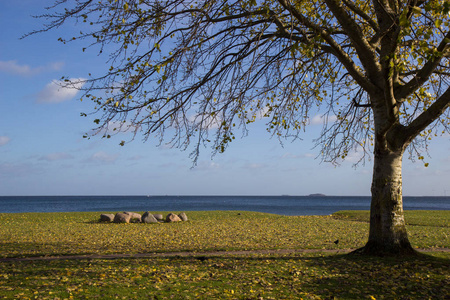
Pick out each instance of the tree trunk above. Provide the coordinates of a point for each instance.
(387, 235)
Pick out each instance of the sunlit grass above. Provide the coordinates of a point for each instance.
(307, 275)
(433, 218)
(44, 234)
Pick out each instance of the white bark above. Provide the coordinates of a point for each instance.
(387, 224)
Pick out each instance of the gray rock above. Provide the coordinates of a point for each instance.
(148, 218)
(159, 217)
(172, 218)
(122, 218)
(106, 217)
(183, 217)
(134, 217)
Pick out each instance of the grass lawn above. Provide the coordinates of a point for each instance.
(309, 275)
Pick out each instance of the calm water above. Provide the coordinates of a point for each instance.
(284, 205)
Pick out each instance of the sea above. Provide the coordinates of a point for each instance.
(282, 205)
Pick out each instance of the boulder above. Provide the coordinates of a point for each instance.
(122, 218)
(134, 217)
(172, 218)
(106, 217)
(159, 217)
(148, 218)
(183, 217)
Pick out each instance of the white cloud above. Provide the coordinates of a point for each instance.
(296, 156)
(103, 157)
(320, 120)
(56, 156)
(4, 140)
(57, 91)
(263, 112)
(291, 156)
(207, 121)
(206, 166)
(13, 67)
(357, 156)
(136, 157)
(254, 166)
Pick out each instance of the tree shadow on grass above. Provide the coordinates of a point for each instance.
(359, 277)
(291, 276)
(349, 276)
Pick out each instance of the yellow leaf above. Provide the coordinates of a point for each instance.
(416, 10)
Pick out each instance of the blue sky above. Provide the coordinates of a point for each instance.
(42, 151)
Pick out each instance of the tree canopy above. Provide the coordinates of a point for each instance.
(196, 66)
(200, 71)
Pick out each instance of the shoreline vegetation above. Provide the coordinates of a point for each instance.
(217, 255)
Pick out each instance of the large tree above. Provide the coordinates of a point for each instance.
(198, 71)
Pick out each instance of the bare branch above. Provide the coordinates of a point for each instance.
(428, 116)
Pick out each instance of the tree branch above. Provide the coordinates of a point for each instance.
(427, 70)
(334, 47)
(362, 14)
(428, 116)
(366, 52)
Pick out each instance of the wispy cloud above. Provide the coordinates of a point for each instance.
(291, 156)
(206, 166)
(103, 157)
(136, 157)
(320, 120)
(206, 121)
(296, 156)
(4, 140)
(56, 156)
(254, 166)
(356, 157)
(58, 91)
(14, 68)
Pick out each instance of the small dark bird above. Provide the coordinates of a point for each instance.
(336, 242)
(202, 258)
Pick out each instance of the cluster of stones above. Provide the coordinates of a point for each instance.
(147, 217)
